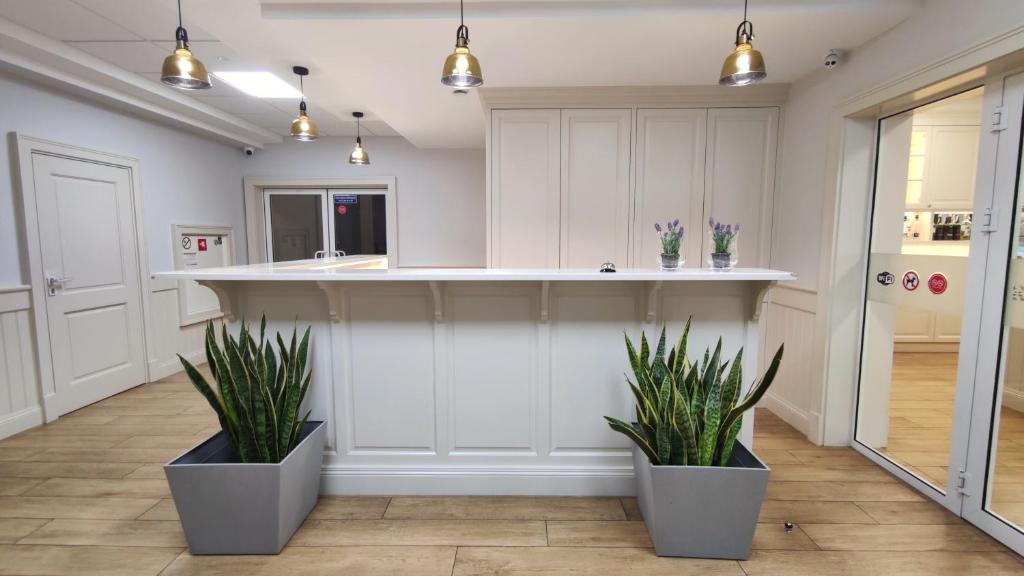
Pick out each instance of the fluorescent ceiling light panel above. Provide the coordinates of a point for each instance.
(259, 84)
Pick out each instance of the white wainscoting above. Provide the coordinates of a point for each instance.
(789, 318)
(20, 406)
(169, 338)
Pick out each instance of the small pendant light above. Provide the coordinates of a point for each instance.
(181, 69)
(462, 69)
(359, 155)
(303, 129)
(745, 65)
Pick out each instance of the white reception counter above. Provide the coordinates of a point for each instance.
(483, 381)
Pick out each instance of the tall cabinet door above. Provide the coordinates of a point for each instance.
(595, 188)
(525, 178)
(669, 180)
(741, 177)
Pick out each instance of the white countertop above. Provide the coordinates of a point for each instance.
(362, 269)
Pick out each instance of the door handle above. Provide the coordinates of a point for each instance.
(55, 282)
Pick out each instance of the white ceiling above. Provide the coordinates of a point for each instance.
(384, 56)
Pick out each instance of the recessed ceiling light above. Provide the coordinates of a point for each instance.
(259, 84)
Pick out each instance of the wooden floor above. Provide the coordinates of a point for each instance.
(87, 496)
(921, 427)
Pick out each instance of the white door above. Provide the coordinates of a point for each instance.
(670, 146)
(595, 188)
(525, 178)
(740, 177)
(296, 224)
(90, 265)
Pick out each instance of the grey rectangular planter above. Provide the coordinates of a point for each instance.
(227, 507)
(702, 511)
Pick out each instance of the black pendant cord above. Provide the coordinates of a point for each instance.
(462, 34)
(302, 89)
(180, 35)
(745, 31)
(359, 132)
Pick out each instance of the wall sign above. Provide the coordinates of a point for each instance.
(911, 280)
(938, 283)
(202, 244)
(346, 199)
(886, 278)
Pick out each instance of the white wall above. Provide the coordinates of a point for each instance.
(441, 220)
(186, 179)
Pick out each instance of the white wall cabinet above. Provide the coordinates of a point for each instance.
(525, 161)
(945, 178)
(595, 199)
(561, 192)
(926, 327)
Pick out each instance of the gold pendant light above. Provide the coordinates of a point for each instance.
(745, 65)
(462, 69)
(181, 69)
(303, 129)
(359, 155)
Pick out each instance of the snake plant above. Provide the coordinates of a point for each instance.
(258, 393)
(688, 414)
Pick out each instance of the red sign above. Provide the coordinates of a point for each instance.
(938, 283)
(342, 209)
(202, 244)
(911, 281)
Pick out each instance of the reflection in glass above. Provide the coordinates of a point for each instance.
(360, 224)
(296, 224)
(915, 297)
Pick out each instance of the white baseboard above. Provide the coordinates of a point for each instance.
(159, 369)
(1013, 399)
(792, 415)
(349, 481)
(11, 424)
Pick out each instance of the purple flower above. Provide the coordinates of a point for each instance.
(737, 227)
(657, 227)
(675, 223)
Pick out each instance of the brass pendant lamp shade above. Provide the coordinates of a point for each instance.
(181, 69)
(462, 69)
(303, 129)
(745, 65)
(359, 156)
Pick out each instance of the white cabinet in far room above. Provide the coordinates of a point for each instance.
(670, 154)
(595, 201)
(525, 180)
(740, 177)
(943, 167)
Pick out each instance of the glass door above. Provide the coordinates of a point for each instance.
(916, 345)
(993, 479)
(359, 221)
(296, 224)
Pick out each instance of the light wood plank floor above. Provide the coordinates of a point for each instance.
(86, 495)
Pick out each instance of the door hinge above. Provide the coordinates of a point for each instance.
(989, 221)
(999, 121)
(961, 482)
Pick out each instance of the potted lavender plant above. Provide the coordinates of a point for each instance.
(671, 241)
(724, 252)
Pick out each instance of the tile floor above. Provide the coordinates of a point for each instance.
(86, 496)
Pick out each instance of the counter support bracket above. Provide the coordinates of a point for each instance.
(225, 297)
(333, 295)
(438, 293)
(545, 296)
(760, 296)
(653, 290)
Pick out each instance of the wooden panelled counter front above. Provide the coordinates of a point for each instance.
(483, 381)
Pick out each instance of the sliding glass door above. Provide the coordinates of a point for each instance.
(304, 223)
(940, 401)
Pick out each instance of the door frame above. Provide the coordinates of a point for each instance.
(25, 182)
(255, 216)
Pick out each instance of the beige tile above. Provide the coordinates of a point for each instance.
(102, 487)
(774, 536)
(349, 508)
(420, 533)
(140, 455)
(632, 509)
(813, 512)
(69, 532)
(598, 533)
(588, 561)
(939, 563)
(17, 486)
(58, 507)
(505, 508)
(909, 513)
(162, 510)
(25, 560)
(341, 561)
(842, 491)
(65, 469)
(13, 529)
(900, 538)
